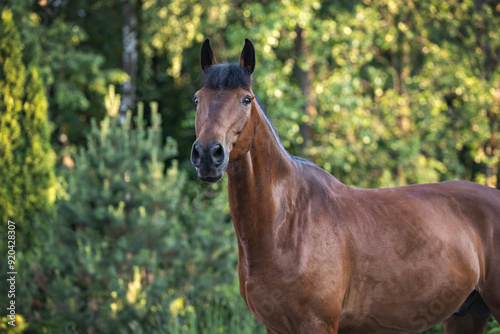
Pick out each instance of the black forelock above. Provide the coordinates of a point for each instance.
(227, 76)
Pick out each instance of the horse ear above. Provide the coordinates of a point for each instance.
(207, 55)
(247, 58)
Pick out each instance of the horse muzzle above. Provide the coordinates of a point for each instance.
(210, 161)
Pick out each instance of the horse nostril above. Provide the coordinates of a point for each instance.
(217, 151)
(217, 154)
(196, 155)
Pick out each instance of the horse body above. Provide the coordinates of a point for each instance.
(317, 256)
(418, 252)
(373, 260)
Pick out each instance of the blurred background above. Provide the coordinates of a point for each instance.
(115, 234)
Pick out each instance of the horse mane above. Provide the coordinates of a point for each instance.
(264, 111)
(227, 76)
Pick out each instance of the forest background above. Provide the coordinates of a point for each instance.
(114, 233)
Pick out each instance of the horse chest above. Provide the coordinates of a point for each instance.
(272, 302)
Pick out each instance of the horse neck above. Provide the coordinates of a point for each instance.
(257, 182)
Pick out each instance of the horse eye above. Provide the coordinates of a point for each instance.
(195, 100)
(246, 100)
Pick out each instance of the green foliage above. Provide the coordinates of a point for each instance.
(397, 98)
(400, 92)
(20, 326)
(492, 327)
(74, 75)
(28, 182)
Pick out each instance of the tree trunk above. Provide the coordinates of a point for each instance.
(305, 78)
(401, 71)
(488, 66)
(129, 56)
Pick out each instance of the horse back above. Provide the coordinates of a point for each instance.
(456, 211)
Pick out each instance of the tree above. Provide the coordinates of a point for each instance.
(28, 182)
(74, 72)
(129, 55)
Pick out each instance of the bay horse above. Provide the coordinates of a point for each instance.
(317, 256)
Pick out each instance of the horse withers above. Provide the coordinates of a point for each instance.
(317, 256)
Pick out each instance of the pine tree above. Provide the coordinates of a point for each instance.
(26, 158)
